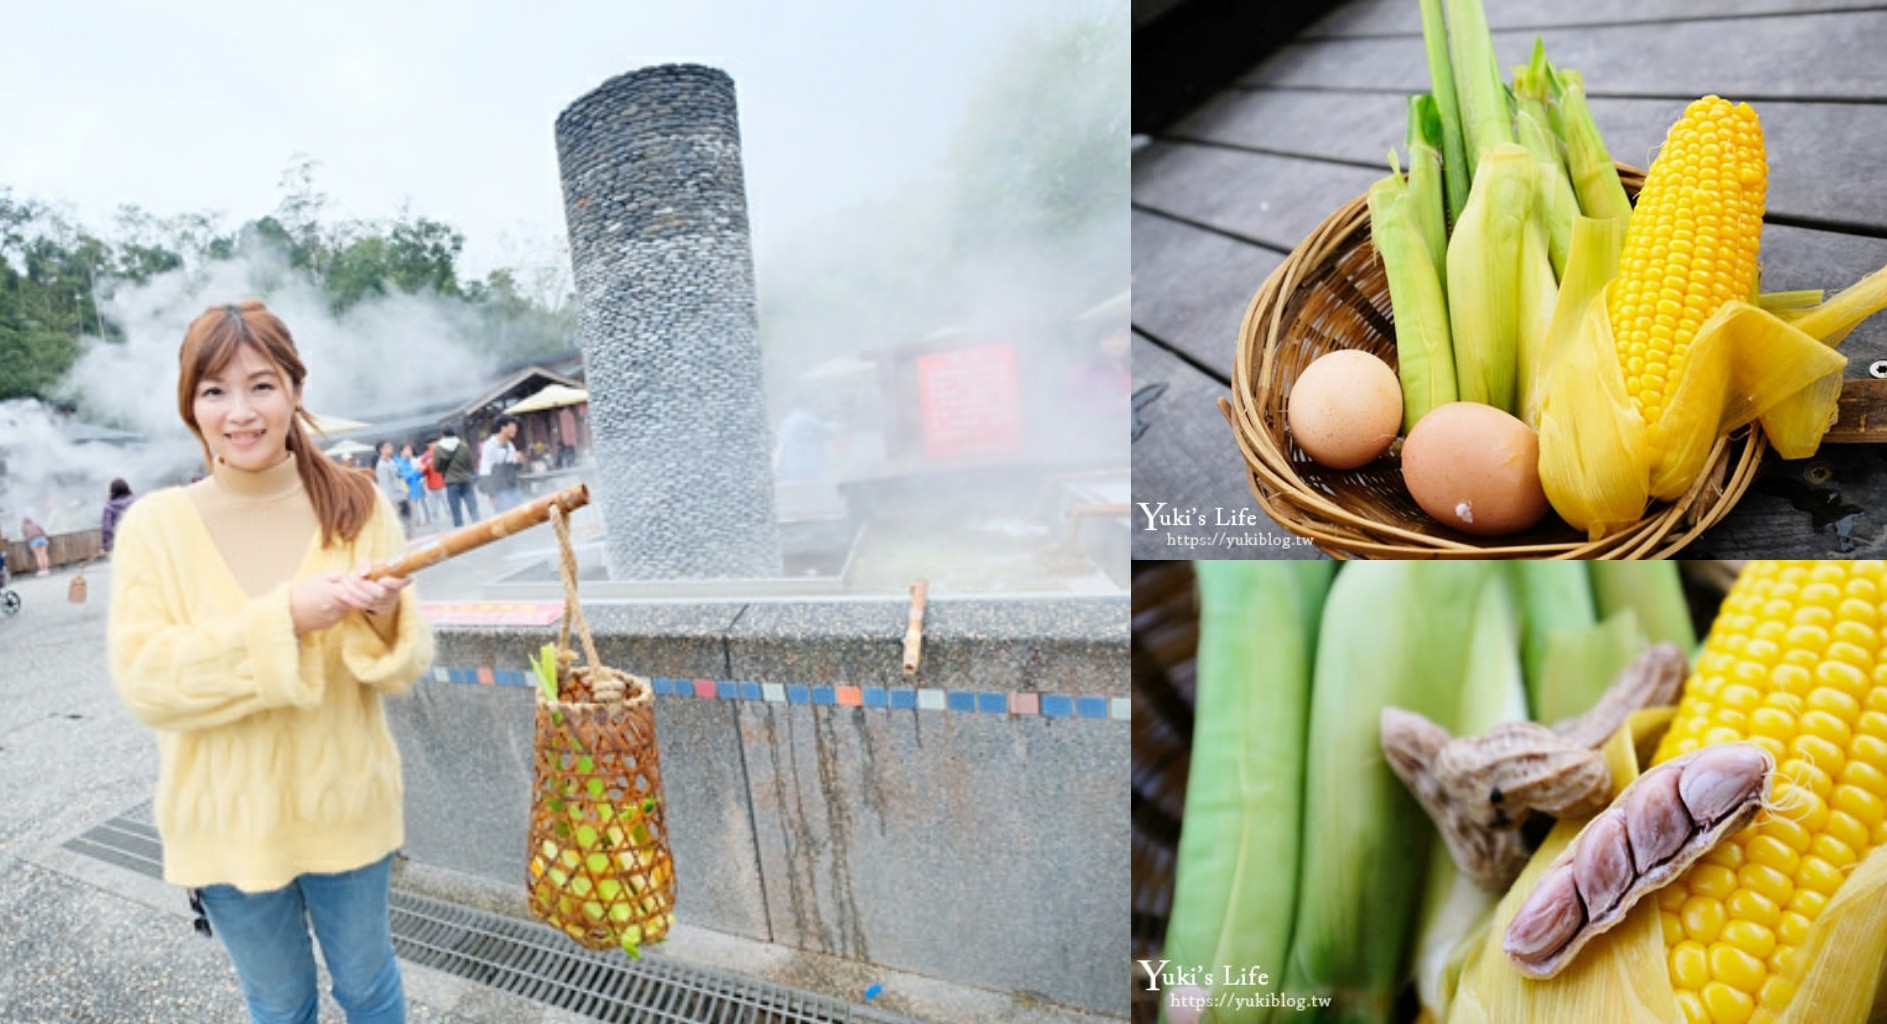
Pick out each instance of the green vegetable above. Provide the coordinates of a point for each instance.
(546, 666)
(1236, 877)
(1454, 159)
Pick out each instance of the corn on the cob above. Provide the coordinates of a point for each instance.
(1796, 664)
(1679, 356)
(1690, 249)
(1360, 879)
(1484, 283)
(1425, 356)
(1493, 690)
(1235, 880)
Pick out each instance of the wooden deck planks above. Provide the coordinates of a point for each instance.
(1191, 287)
(1827, 161)
(1402, 17)
(1826, 55)
(1187, 463)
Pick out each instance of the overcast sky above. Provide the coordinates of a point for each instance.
(450, 106)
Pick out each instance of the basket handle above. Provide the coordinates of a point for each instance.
(572, 610)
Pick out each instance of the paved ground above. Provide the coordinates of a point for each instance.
(90, 943)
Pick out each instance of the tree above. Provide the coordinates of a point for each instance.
(1042, 154)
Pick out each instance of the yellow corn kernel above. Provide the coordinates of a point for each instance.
(1690, 964)
(1693, 1006)
(1712, 880)
(1673, 927)
(1776, 992)
(1750, 937)
(1793, 930)
(1796, 662)
(1819, 875)
(1790, 834)
(1730, 855)
(1860, 803)
(1702, 918)
(1808, 903)
(1849, 830)
(1727, 1005)
(1736, 968)
(1767, 881)
(1771, 852)
(1672, 897)
(1750, 905)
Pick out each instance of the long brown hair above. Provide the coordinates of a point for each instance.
(343, 499)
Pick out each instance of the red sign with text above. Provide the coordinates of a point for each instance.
(971, 402)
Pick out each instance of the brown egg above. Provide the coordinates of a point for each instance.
(1345, 409)
(1475, 468)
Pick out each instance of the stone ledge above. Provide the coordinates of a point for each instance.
(1072, 645)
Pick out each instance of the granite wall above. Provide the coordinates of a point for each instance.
(968, 823)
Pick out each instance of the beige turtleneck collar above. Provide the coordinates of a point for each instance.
(262, 522)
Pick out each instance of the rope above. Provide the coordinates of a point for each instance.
(605, 686)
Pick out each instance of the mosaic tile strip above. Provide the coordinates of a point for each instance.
(492, 613)
(892, 698)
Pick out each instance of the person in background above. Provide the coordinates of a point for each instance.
(458, 466)
(499, 465)
(114, 511)
(435, 484)
(415, 486)
(40, 544)
(801, 454)
(245, 631)
(386, 473)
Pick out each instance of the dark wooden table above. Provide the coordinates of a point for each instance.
(1221, 196)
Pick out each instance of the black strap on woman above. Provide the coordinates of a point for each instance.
(202, 922)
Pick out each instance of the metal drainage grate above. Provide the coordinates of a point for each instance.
(536, 962)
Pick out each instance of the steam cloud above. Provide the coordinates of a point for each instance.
(381, 358)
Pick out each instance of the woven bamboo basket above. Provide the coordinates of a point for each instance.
(599, 868)
(1331, 294)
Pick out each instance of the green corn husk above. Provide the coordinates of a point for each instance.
(1560, 205)
(1581, 665)
(1426, 179)
(1234, 887)
(1655, 590)
(1455, 167)
(1486, 113)
(1392, 636)
(1454, 909)
(1484, 265)
(1555, 597)
(1425, 361)
(1594, 175)
(1539, 292)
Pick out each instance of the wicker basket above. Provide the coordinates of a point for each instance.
(599, 868)
(1331, 294)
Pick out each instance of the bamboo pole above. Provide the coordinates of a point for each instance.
(437, 549)
(914, 629)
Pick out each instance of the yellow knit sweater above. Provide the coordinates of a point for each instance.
(274, 757)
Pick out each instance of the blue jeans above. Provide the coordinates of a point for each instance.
(462, 492)
(267, 938)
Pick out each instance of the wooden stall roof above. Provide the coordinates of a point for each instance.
(1221, 195)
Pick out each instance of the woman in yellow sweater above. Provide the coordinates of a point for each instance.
(244, 631)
